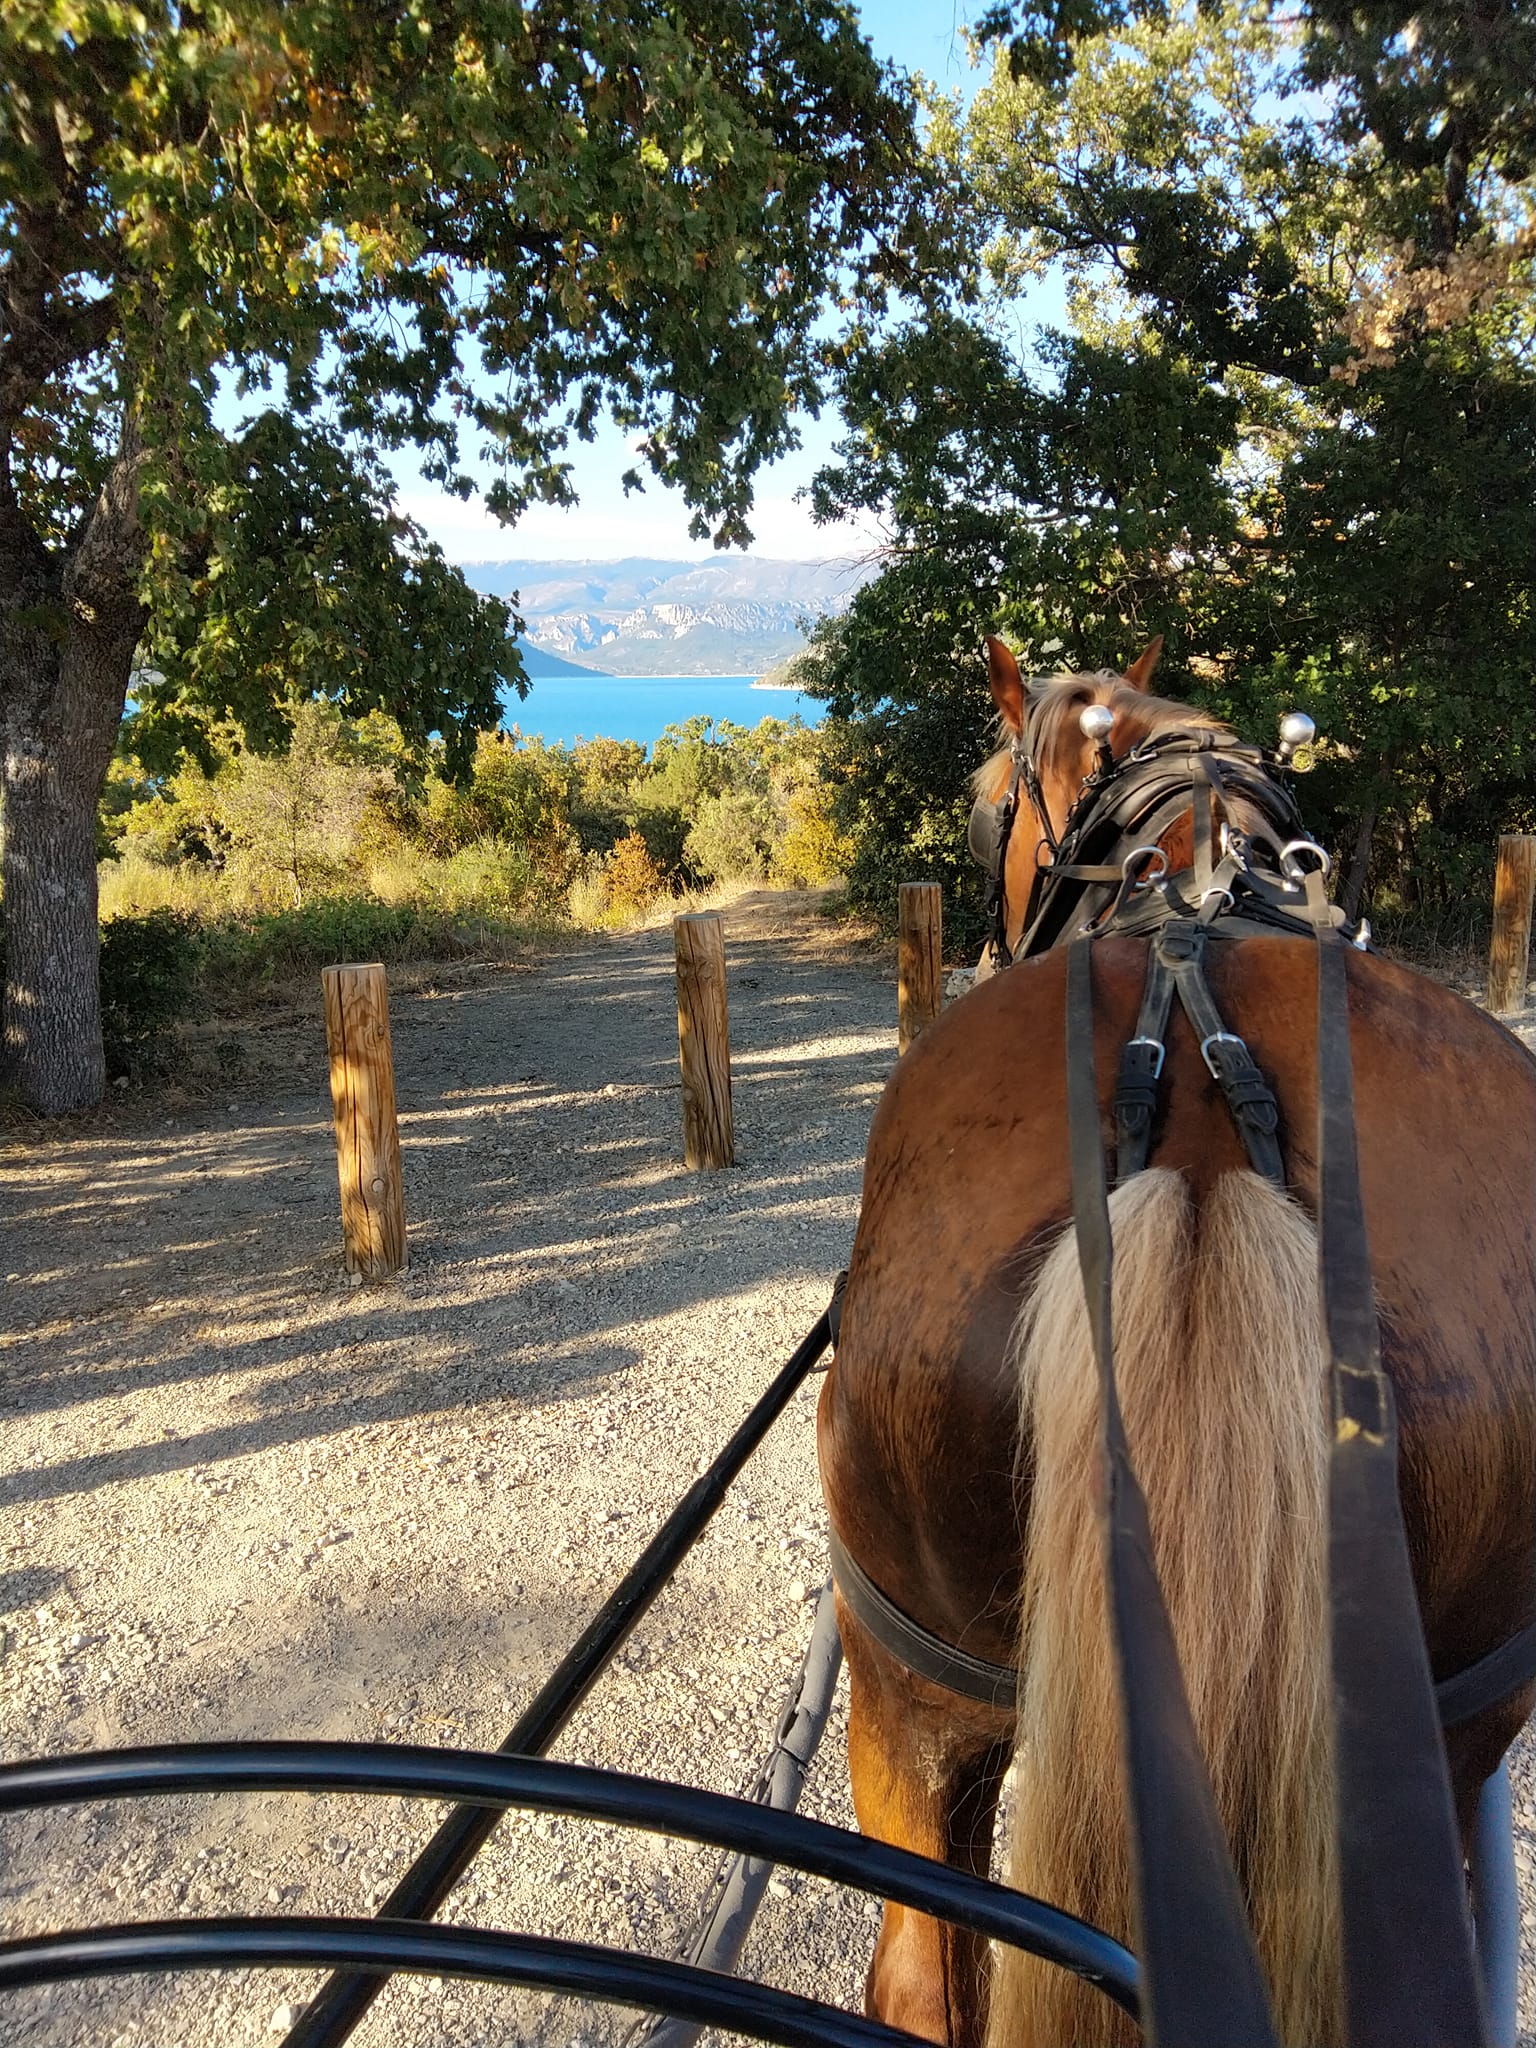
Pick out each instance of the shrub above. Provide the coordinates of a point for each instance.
(149, 973)
(587, 898)
(631, 878)
(134, 884)
(813, 850)
(279, 943)
(732, 837)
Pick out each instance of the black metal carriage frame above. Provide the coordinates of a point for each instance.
(363, 1953)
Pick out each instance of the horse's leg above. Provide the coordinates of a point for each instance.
(926, 1767)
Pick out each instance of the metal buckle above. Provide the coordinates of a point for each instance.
(1217, 1038)
(1157, 1046)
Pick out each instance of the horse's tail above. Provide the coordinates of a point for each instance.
(1220, 1366)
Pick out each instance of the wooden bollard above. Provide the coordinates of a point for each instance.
(919, 960)
(1509, 956)
(704, 1039)
(367, 1136)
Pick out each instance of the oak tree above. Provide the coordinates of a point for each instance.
(248, 250)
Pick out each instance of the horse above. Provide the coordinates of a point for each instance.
(957, 1425)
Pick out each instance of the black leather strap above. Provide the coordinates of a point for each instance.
(941, 1663)
(1466, 1694)
(1410, 1974)
(1141, 1064)
(1458, 1699)
(1203, 1985)
(835, 1313)
(1249, 1096)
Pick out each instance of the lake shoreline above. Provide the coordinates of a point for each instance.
(562, 710)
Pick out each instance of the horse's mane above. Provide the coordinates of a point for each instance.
(1055, 701)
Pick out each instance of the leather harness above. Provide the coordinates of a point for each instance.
(1399, 1855)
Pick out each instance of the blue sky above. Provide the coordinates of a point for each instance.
(923, 35)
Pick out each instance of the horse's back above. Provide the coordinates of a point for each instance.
(967, 1185)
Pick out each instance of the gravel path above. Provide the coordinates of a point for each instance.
(243, 1499)
(240, 1498)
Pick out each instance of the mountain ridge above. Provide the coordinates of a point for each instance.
(642, 615)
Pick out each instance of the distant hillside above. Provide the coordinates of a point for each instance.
(732, 615)
(538, 661)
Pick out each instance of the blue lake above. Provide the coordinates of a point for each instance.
(565, 708)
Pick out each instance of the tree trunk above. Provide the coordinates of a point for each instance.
(1359, 867)
(70, 628)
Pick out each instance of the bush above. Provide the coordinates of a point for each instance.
(813, 850)
(268, 947)
(631, 878)
(733, 837)
(587, 898)
(149, 974)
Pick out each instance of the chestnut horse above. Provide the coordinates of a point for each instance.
(958, 1423)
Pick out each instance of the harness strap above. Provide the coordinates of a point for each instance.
(1400, 1863)
(1141, 1064)
(941, 1663)
(1174, 963)
(1249, 1096)
(1204, 803)
(1203, 1985)
(1458, 1699)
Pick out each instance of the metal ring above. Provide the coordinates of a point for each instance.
(1215, 889)
(1138, 880)
(1292, 869)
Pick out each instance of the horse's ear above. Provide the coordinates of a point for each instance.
(1006, 684)
(1139, 674)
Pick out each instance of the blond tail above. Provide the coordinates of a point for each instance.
(1220, 1365)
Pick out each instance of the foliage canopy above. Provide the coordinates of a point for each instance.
(1289, 419)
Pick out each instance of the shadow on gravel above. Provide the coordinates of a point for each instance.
(192, 1263)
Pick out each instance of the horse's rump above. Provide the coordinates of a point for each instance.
(966, 1192)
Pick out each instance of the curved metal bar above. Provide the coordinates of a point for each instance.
(1496, 1907)
(474, 1779)
(579, 1969)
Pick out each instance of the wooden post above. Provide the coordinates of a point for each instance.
(704, 1039)
(367, 1136)
(1509, 957)
(919, 960)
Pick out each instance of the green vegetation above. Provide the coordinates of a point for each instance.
(249, 252)
(243, 869)
(1289, 421)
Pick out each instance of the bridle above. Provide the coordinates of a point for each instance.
(1106, 869)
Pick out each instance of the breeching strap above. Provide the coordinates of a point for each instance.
(1409, 1970)
(1203, 1986)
